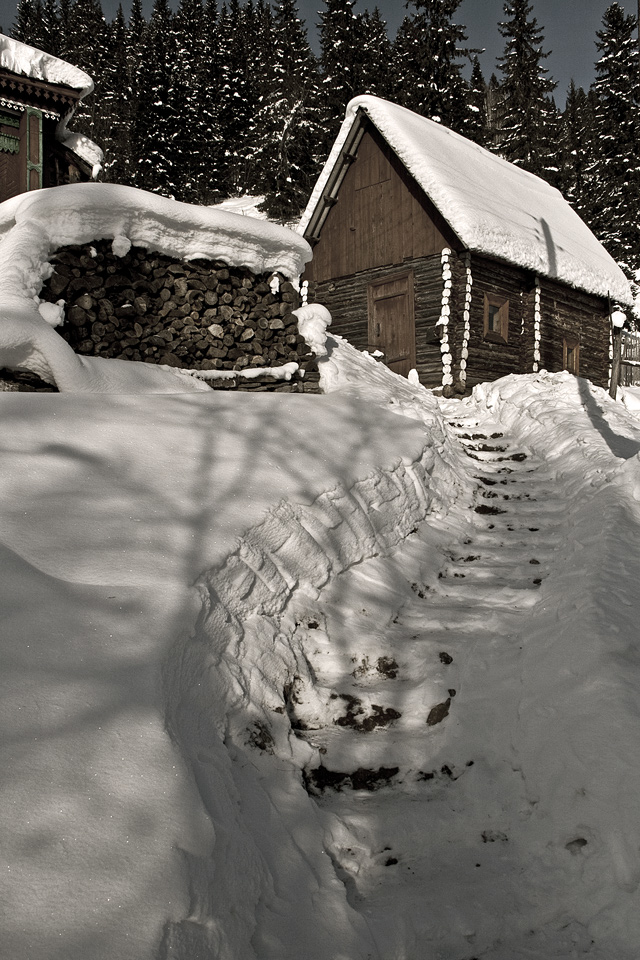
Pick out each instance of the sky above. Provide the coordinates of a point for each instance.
(569, 30)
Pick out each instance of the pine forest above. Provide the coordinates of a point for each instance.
(206, 102)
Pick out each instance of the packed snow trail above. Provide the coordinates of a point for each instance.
(411, 733)
(390, 799)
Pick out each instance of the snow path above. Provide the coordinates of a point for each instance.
(488, 838)
(381, 721)
(405, 717)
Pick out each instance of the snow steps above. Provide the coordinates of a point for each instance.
(497, 570)
(297, 545)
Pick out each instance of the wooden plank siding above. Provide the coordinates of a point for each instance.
(381, 217)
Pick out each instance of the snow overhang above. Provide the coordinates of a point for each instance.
(30, 62)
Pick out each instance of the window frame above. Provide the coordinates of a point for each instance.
(500, 335)
(571, 343)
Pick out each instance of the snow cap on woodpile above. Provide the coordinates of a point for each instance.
(34, 225)
(81, 212)
(30, 62)
(495, 208)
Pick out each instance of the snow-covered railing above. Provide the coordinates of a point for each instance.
(630, 359)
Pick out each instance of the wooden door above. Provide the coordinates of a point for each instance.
(391, 322)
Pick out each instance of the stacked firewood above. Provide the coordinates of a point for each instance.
(198, 315)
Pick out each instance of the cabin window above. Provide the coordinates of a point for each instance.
(496, 318)
(9, 135)
(571, 355)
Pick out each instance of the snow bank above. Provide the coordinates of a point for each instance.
(34, 225)
(112, 507)
(565, 416)
(630, 396)
(152, 796)
(494, 207)
(313, 320)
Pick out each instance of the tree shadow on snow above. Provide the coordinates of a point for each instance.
(622, 447)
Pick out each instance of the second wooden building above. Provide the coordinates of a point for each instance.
(451, 261)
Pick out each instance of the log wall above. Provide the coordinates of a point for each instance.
(491, 359)
(563, 311)
(347, 301)
(566, 311)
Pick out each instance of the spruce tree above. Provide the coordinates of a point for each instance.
(374, 60)
(113, 129)
(429, 55)
(236, 109)
(134, 67)
(615, 188)
(288, 122)
(188, 135)
(50, 29)
(87, 46)
(64, 29)
(210, 73)
(577, 143)
(28, 26)
(340, 69)
(495, 111)
(525, 90)
(153, 140)
(477, 126)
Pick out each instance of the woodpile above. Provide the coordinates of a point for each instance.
(198, 315)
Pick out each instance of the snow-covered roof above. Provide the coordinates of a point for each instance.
(492, 206)
(30, 62)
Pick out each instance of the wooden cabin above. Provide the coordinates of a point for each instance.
(450, 261)
(38, 94)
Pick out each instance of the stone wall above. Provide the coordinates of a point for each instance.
(198, 315)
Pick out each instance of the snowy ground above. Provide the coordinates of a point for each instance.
(339, 677)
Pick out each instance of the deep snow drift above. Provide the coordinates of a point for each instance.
(348, 676)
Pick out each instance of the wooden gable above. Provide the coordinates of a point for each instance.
(378, 217)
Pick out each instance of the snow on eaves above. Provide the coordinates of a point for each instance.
(495, 208)
(28, 61)
(82, 146)
(34, 225)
